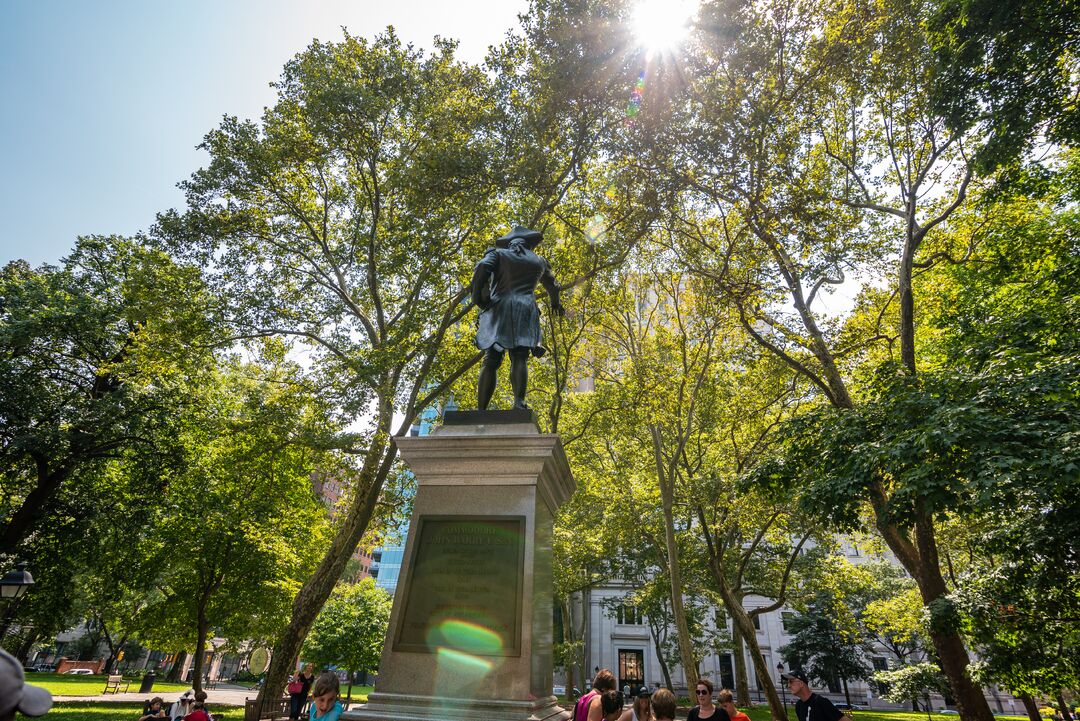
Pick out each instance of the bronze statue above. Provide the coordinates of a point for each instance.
(504, 288)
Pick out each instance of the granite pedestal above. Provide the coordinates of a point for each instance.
(470, 635)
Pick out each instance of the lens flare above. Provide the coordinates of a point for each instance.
(663, 24)
(457, 662)
(468, 637)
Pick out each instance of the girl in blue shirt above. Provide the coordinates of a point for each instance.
(324, 698)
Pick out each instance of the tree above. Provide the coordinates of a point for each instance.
(912, 683)
(348, 221)
(345, 220)
(893, 615)
(824, 645)
(817, 164)
(1009, 330)
(1009, 70)
(350, 629)
(89, 370)
(239, 520)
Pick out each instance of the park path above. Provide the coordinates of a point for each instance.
(224, 695)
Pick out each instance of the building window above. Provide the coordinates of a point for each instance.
(786, 618)
(628, 615)
(757, 622)
(880, 663)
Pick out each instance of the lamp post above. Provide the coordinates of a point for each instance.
(13, 587)
(783, 685)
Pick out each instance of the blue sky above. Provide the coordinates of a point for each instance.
(105, 101)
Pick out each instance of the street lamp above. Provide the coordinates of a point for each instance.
(15, 583)
(13, 587)
(783, 685)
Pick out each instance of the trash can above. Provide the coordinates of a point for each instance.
(147, 684)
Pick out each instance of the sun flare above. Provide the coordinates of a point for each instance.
(663, 24)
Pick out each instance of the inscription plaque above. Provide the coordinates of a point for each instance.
(463, 592)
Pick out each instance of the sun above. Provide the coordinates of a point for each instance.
(663, 24)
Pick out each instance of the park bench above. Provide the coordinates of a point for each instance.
(114, 683)
(271, 709)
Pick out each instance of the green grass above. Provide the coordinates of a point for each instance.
(96, 711)
(59, 684)
(761, 713)
(359, 693)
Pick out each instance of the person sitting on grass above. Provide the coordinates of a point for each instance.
(663, 705)
(198, 712)
(154, 711)
(324, 698)
(200, 697)
(182, 706)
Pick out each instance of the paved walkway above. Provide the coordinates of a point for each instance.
(224, 695)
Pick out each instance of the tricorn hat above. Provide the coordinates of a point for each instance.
(532, 237)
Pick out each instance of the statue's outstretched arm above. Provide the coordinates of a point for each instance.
(552, 288)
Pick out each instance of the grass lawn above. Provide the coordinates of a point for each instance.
(761, 713)
(94, 711)
(359, 693)
(59, 684)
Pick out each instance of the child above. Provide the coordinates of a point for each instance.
(324, 695)
(198, 712)
(611, 703)
(663, 705)
(155, 712)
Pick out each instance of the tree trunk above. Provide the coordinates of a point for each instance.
(22, 522)
(313, 594)
(1031, 707)
(907, 296)
(761, 670)
(177, 671)
(202, 629)
(23, 652)
(1066, 712)
(667, 492)
(847, 693)
(657, 645)
(742, 681)
(741, 619)
(114, 651)
(921, 561)
(569, 639)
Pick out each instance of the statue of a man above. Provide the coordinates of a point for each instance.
(504, 288)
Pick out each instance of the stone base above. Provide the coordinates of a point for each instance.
(403, 707)
(470, 636)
